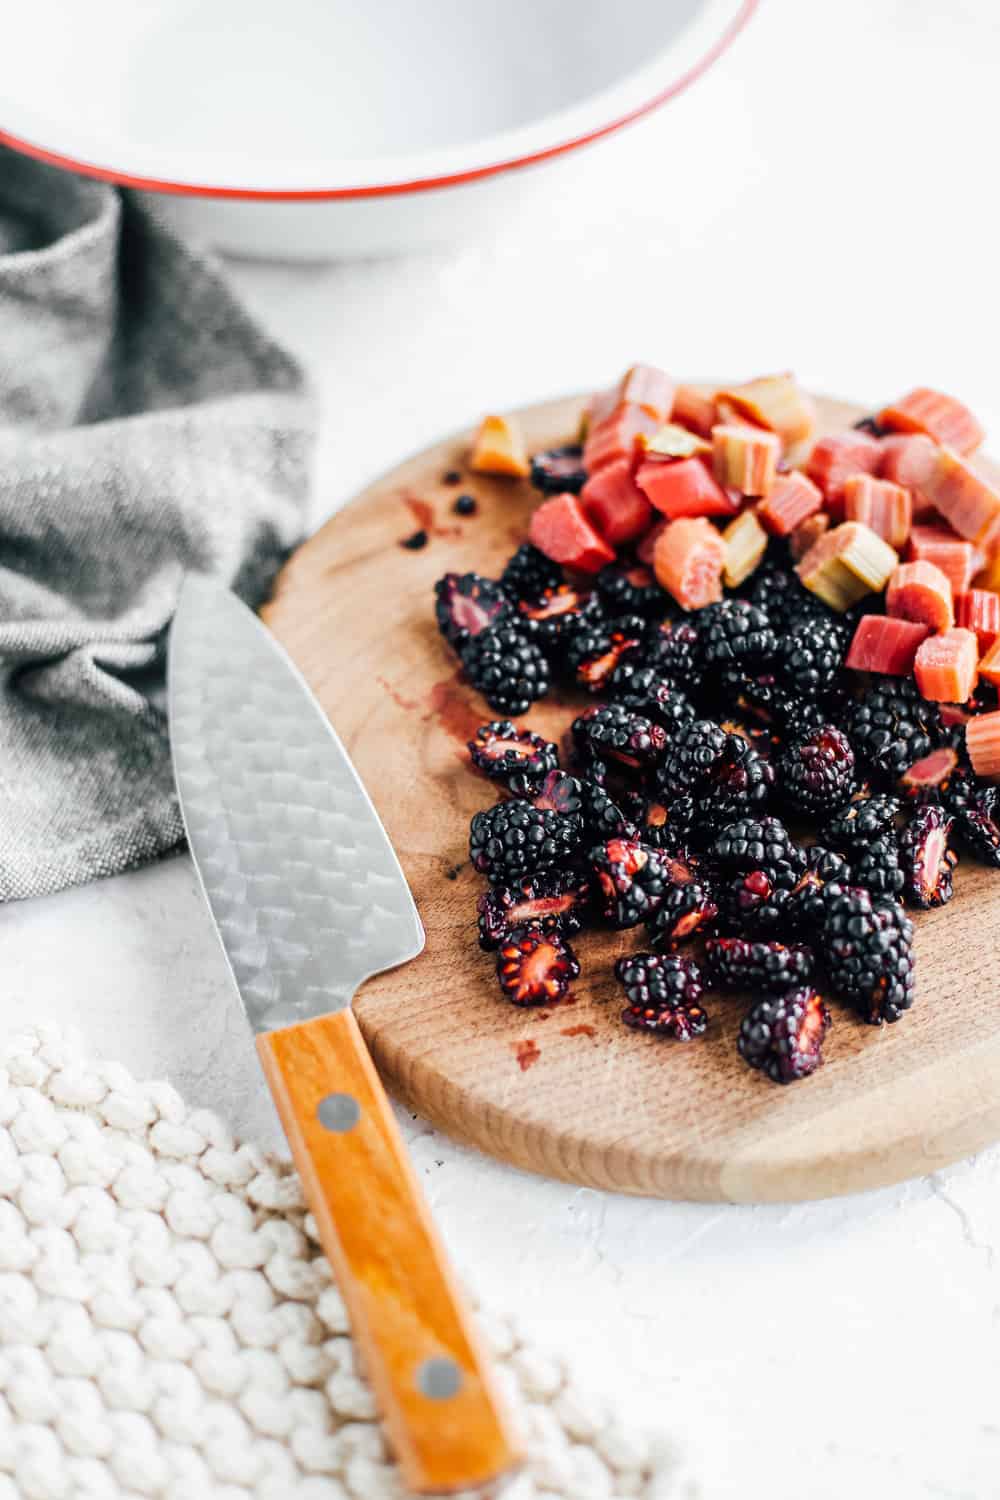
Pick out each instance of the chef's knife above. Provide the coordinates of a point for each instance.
(309, 900)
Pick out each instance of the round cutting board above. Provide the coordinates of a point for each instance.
(568, 1090)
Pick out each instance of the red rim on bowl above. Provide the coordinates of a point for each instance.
(420, 184)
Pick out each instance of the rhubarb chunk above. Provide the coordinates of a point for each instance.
(499, 448)
(683, 487)
(886, 507)
(807, 534)
(941, 417)
(834, 459)
(561, 530)
(978, 610)
(695, 410)
(645, 548)
(957, 560)
(920, 591)
(777, 403)
(615, 505)
(946, 666)
(615, 435)
(989, 665)
(982, 740)
(745, 458)
(688, 560)
(673, 441)
(792, 500)
(846, 563)
(969, 502)
(746, 543)
(650, 388)
(881, 644)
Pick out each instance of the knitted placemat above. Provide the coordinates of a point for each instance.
(169, 1326)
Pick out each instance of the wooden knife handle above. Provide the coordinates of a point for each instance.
(442, 1414)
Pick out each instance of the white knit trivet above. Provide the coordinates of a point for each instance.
(169, 1326)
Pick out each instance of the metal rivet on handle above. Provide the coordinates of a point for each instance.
(439, 1378)
(338, 1112)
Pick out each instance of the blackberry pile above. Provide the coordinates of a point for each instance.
(725, 785)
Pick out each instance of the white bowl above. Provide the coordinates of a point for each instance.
(319, 127)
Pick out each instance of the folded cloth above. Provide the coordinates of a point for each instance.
(147, 426)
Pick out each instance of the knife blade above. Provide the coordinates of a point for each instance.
(309, 900)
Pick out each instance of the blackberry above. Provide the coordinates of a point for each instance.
(977, 824)
(811, 656)
(760, 697)
(927, 858)
(868, 948)
(514, 839)
(631, 881)
(759, 844)
(816, 772)
(692, 756)
(738, 785)
(535, 966)
(771, 968)
(686, 911)
(554, 615)
(593, 654)
(642, 690)
(507, 668)
(579, 796)
(673, 651)
(504, 753)
(825, 872)
(735, 632)
(631, 590)
(611, 732)
(754, 904)
(879, 867)
(467, 605)
(775, 589)
(860, 822)
(559, 471)
(666, 826)
(529, 573)
(663, 992)
(465, 505)
(557, 899)
(891, 726)
(784, 1036)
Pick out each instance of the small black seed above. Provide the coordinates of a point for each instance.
(453, 476)
(465, 505)
(415, 542)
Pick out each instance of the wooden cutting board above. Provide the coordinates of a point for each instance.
(569, 1091)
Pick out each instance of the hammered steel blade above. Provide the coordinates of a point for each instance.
(306, 891)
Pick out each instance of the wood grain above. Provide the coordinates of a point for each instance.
(404, 1303)
(569, 1091)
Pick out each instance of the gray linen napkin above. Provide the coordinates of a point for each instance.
(147, 426)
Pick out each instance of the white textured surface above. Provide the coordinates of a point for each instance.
(823, 199)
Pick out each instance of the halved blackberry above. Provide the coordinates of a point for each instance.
(879, 867)
(867, 944)
(603, 818)
(825, 872)
(735, 633)
(811, 655)
(467, 605)
(555, 614)
(977, 824)
(891, 726)
(553, 899)
(686, 911)
(645, 691)
(665, 825)
(508, 669)
(504, 752)
(784, 1036)
(673, 651)
(612, 732)
(663, 993)
(752, 844)
(514, 839)
(559, 471)
(816, 772)
(631, 881)
(760, 698)
(860, 822)
(930, 778)
(732, 963)
(626, 589)
(529, 573)
(753, 905)
(593, 654)
(535, 966)
(928, 860)
(738, 785)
